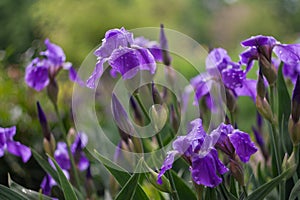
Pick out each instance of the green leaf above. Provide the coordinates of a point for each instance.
(265, 189)
(45, 165)
(120, 174)
(184, 191)
(210, 193)
(32, 195)
(8, 194)
(48, 168)
(295, 191)
(225, 193)
(233, 186)
(284, 110)
(129, 189)
(65, 184)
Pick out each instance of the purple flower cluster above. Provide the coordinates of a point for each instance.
(62, 158)
(126, 55)
(16, 148)
(200, 150)
(41, 71)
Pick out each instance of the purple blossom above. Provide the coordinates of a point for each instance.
(40, 71)
(54, 54)
(36, 75)
(260, 45)
(198, 149)
(295, 114)
(233, 141)
(289, 54)
(258, 41)
(125, 55)
(229, 73)
(152, 46)
(204, 169)
(217, 58)
(61, 156)
(16, 148)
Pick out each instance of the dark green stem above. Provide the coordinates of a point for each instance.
(275, 147)
(137, 97)
(276, 144)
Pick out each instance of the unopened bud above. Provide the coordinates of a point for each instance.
(121, 117)
(43, 121)
(230, 100)
(268, 70)
(260, 86)
(156, 95)
(71, 135)
(237, 171)
(49, 145)
(164, 47)
(296, 101)
(289, 164)
(159, 116)
(152, 178)
(138, 116)
(138, 146)
(294, 131)
(264, 109)
(52, 91)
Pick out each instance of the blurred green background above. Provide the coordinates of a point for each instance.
(78, 26)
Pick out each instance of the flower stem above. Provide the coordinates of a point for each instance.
(276, 144)
(296, 153)
(275, 148)
(137, 97)
(199, 190)
(73, 166)
(160, 143)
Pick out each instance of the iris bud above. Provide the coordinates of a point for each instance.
(237, 171)
(294, 131)
(296, 101)
(264, 109)
(164, 46)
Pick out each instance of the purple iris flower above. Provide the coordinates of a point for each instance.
(62, 158)
(289, 54)
(221, 69)
(260, 45)
(152, 46)
(233, 141)
(125, 55)
(198, 149)
(41, 71)
(16, 148)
